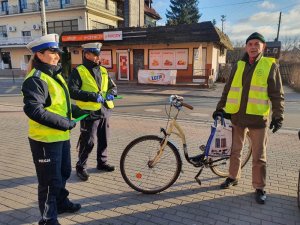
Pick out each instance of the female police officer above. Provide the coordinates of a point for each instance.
(47, 104)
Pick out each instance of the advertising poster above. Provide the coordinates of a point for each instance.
(168, 59)
(106, 59)
(123, 66)
(181, 58)
(155, 59)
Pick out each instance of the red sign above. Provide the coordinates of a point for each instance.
(83, 37)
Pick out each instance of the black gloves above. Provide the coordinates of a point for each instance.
(275, 124)
(72, 124)
(299, 134)
(220, 112)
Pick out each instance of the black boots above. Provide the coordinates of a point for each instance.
(106, 167)
(82, 174)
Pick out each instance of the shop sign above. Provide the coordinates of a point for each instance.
(157, 76)
(168, 59)
(113, 36)
(105, 36)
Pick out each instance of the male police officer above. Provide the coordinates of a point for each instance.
(254, 83)
(93, 90)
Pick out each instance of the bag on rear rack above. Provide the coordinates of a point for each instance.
(220, 140)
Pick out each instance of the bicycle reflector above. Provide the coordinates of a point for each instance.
(138, 175)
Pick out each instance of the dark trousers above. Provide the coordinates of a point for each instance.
(53, 167)
(92, 131)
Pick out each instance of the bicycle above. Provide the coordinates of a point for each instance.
(151, 164)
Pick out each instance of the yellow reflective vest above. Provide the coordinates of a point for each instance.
(89, 84)
(258, 99)
(58, 106)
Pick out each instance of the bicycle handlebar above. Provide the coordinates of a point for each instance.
(177, 102)
(187, 106)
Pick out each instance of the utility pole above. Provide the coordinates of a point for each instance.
(276, 39)
(43, 17)
(223, 19)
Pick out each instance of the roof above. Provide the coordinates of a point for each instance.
(151, 12)
(197, 32)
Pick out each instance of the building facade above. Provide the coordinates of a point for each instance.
(187, 53)
(20, 22)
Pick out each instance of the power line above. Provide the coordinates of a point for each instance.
(238, 3)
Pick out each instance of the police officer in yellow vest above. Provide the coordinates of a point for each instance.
(93, 90)
(253, 85)
(47, 104)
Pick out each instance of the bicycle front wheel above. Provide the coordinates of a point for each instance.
(136, 168)
(299, 190)
(221, 167)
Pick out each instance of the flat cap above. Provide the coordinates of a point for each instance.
(256, 35)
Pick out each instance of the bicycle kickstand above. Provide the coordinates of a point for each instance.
(198, 174)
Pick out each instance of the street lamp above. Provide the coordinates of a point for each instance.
(43, 16)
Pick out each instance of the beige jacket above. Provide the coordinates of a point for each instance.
(275, 92)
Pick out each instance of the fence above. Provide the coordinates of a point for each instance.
(290, 74)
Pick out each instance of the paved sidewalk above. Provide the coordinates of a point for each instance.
(106, 198)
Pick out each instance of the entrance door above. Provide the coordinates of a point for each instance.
(138, 62)
(123, 64)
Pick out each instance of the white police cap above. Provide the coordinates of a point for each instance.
(49, 41)
(94, 47)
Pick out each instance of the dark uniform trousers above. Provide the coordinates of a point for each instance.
(53, 167)
(92, 131)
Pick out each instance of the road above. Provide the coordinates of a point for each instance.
(135, 102)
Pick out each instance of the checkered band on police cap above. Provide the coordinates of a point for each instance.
(49, 41)
(94, 47)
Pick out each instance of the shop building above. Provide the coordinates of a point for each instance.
(192, 52)
(20, 22)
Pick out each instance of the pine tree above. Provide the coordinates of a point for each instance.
(183, 12)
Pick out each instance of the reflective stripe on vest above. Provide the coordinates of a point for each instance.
(58, 106)
(258, 100)
(89, 84)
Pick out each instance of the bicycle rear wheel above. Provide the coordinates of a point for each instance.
(221, 167)
(137, 173)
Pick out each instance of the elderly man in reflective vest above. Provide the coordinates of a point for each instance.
(94, 91)
(253, 85)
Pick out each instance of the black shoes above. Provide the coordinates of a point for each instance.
(228, 183)
(49, 222)
(260, 196)
(82, 174)
(70, 208)
(106, 167)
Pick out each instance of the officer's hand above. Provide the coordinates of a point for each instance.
(72, 124)
(275, 124)
(299, 134)
(100, 99)
(110, 97)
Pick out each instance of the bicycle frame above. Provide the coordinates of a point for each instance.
(173, 125)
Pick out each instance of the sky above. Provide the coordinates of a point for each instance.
(244, 17)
